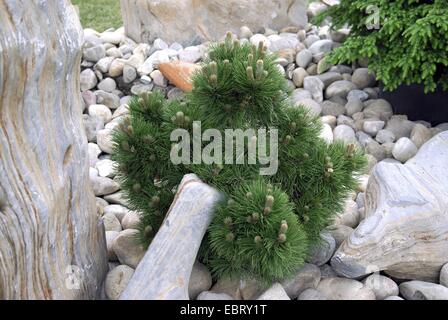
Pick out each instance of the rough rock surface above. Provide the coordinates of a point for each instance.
(52, 243)
(192, 21)
(174, 248)
(406, 223)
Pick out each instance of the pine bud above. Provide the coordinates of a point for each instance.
(230, 202)
(213, 67)
(249, 195)
(288, 139)
(250, 59)
(258, 240)
(269, 201)
(255, 217)
(180, 116)
(226, 62)
(306, 208)
(283, 227)
(213, 79)
(306, 156)
(137, 187)
(230, 237)
(125, 145)
(327, 159)
(155, 200)
(250, 73)
(228, 41)
(227, 108)
(293, 125)
(260, 69)
(228, 222)
(141, 101)
(152, 158)
(148, 139)
(281, 238)
(267, 211)
(148, 232)
(236, 44)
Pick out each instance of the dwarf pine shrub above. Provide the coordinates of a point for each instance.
(266, 223)
(405, 41)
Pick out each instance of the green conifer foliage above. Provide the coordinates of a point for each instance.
(410, 45)
(265, 226)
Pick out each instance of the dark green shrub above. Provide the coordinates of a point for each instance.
(410, 46)
(264, 228)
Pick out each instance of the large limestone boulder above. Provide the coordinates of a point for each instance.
(191, 21)
(406, 229)
(52, 244)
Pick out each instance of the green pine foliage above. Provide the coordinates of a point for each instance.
(266, 224)
(411, 45)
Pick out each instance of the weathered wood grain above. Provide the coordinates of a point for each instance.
(406, 229)
(52, 245)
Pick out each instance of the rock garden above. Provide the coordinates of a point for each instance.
(92, 205)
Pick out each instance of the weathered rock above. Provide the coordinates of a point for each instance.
(131, 220)
(420, 134)
(339, 232)
(420, 290)
(275, 292)
(327, 133)
(110, 239)
(314, 85)
(393, 298)
(189, 21)
(304, 58)
(312, 106)
(382, 286)
(326, 271)
(104, 140)
(373, 126)
(399, 235)
(100, 111)
(362, 78)
(404, 149)
(116, 209)
(127, 249)
(52, 243)
(339, 88)
(322, 252)
(207, 295)
(298, 75)
(400, 127)
(311, 294)
(344, 289)
(107, 85)
(179, 73)
(349, 216)
(117, 280)
(330, 108)
(384, 136)
(344, 133)
(379, 109)
(307, 276)
(111, 222)
(353, 106)
(321, 46)
(228, 286)
(174, 248)
(88, 79)
(376, 150)
(200, 280)
(444, 275)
